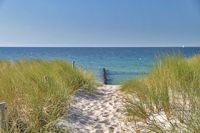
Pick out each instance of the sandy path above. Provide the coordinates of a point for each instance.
(100, 113)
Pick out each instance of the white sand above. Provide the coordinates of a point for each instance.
(99, 113)
(104, 112)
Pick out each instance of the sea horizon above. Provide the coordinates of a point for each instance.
(19, 46)
(121, 63)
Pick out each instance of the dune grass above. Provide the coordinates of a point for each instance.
(38, 92)
(173, 87)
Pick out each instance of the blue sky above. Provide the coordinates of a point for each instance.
(99, 23)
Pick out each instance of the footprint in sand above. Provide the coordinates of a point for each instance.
(102, 113)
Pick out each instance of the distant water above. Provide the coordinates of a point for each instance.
(121, 63)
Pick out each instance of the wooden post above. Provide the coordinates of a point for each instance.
(3, 117)
(104, 76)
(73, 64)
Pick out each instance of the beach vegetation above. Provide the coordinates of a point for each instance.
(38, 92)
(168, 98)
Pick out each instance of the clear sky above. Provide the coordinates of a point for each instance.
(99, 23)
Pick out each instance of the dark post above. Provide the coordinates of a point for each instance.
(73, 64)
(3, 120)
(104, 76)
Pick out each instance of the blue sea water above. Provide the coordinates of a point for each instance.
(121, 63)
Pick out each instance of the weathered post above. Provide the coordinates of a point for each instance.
(3, 117)
(73, 64)
(104, 76)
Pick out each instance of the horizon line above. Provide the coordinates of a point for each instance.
(98, 46)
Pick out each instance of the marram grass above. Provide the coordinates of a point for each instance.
(37, 92)
(173, 86)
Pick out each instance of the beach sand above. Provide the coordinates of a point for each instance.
(102, 112)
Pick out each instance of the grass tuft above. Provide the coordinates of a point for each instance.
(173, 86)
(37, 92)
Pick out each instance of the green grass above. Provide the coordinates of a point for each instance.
(173, 86)
(38, 92)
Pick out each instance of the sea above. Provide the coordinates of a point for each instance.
(121, 64)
